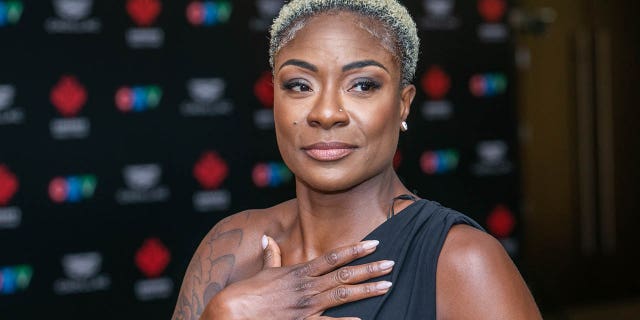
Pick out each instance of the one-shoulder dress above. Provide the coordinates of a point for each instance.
(413, 238)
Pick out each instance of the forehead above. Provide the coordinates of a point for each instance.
(343, 34)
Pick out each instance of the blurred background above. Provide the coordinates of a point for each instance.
(129, 128)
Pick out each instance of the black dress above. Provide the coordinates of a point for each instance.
(413, 239)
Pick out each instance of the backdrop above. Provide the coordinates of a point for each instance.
(129, 128)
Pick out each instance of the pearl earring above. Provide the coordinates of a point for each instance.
(404, 126)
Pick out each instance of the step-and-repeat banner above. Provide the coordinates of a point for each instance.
(129, 128)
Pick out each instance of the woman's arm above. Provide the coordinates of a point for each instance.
(476, 279)
(210, 269)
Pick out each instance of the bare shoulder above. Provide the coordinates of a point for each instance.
(476, 279)
(229, 252)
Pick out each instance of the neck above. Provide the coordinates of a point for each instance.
(330, 220)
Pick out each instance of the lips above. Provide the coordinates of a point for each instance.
(329, 151)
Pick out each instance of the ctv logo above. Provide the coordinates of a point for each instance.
(488, 84)
(271, 174)
(439, 161)
(72, 188)
(209, 13)
(10, 12)
(14, 279)
(138, 98)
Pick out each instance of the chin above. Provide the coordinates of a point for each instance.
(331, 181)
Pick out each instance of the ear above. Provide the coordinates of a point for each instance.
(406, 97)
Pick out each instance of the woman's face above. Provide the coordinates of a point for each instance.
(338, 102)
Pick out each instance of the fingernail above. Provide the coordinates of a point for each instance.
(384, 265)
(383, 285)
(370, 244)
(265, 242)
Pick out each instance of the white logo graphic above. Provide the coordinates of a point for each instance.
(206, 90)
(269, 8)
(10, 217)
(492, 152)
(143, 176)
(439, 15)
(492, 158)
(439, 8)
(83, 275)
(73, 17)
(207, 98)
(73, 9)
(7, 94)
(82, 266)
(143, 185)
(9, 114)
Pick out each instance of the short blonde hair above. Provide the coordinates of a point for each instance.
(390, 13)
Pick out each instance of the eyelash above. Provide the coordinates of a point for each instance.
(371, 84)
(295, 83)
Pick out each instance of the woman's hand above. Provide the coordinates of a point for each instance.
(302, 291)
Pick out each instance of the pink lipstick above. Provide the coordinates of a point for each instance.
(328, 151)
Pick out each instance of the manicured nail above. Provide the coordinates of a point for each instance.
(265, 242)
(384, 265)
(383, 285)
(370, 244)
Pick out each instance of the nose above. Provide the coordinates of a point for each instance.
(328, 112)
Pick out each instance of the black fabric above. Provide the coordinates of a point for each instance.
(413, 239)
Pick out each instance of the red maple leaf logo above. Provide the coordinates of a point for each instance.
(152, 258)
(144, 12)
(263, 89)
(210, 170)
(436, 83)
(501, 222)
(68, 96)
(8, 185)
(492, 10)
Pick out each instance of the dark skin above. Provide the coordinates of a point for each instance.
(338, 109)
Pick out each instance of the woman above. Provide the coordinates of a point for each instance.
(342, 86)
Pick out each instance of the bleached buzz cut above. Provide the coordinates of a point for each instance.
(400, 38)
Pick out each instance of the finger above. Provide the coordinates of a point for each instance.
(270, 253)
(349, 293)
(355, 274)
(336, 258)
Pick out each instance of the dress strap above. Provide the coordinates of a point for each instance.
(393, 202)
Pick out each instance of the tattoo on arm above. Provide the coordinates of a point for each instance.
(208, 272)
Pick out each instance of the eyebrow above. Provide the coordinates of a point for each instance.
(345, 68)
(299, 63)
(362, 64)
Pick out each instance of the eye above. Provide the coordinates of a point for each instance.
(296, 86)
(365, 86)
